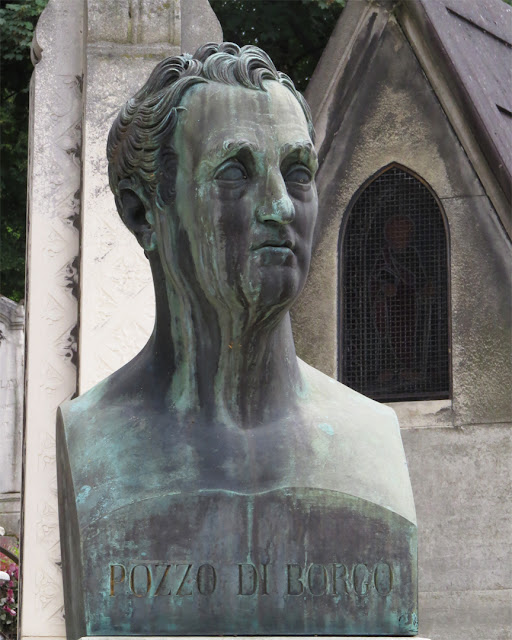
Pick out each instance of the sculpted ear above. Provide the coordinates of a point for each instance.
(137, 217)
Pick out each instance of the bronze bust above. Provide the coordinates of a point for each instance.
(216, 484)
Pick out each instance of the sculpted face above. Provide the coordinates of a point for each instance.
(245, 195)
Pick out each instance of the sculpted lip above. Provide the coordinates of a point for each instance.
(274, 244)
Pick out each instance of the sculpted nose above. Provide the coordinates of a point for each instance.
(277, 206)
(281, 211)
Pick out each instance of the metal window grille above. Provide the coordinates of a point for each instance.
(394, 292)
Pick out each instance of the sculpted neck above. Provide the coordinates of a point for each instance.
(236, 368)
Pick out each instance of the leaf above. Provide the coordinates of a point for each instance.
(17, 22)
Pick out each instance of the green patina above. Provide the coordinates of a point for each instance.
(216, 452)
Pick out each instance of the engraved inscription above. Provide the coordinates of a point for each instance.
(361, 579)
(317, 579)
(338, 579)
(159, 590)
(184, 589)
(206, 579)
(181, 580)
(145, 589)
(154, 580)
(249, 577)
(383, 578)
(117, 576)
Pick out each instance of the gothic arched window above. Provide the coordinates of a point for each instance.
(394, 342)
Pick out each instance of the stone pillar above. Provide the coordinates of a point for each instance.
(90, 57)
(12, 343)
(116, 290)
(116, 306)
(55, 141)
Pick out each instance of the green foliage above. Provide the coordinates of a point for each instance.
(9, 597)
(293, 32)
(17, 22)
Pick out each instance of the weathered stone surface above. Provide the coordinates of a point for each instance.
(462, 482)
(462, 486)
(143, 22)
(481, 282)
(467, 615)
(388, 113)
(117, 299)
(12, 342)
(52, 250)
(197, 20)
(424, 413)
(466, 61)
(116, 295)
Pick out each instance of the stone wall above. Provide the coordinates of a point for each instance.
(12, 346)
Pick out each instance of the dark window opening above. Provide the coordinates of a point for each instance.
(394, 292)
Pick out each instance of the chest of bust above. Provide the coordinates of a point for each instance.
(186, 528)
(289, 560)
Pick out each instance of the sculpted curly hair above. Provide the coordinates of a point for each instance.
(139, 143)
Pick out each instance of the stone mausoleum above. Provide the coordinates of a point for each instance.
(409, 294)
(408, 298)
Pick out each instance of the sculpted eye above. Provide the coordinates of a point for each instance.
(298, 174)
(232, 172)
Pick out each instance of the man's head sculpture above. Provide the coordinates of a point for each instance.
(212, 166)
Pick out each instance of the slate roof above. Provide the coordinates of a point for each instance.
(470, 42)
(464, 48)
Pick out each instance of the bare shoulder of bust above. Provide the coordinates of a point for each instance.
(329, 394)
(358, 446)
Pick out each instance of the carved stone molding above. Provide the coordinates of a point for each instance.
(136, 22)
(52, 308)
